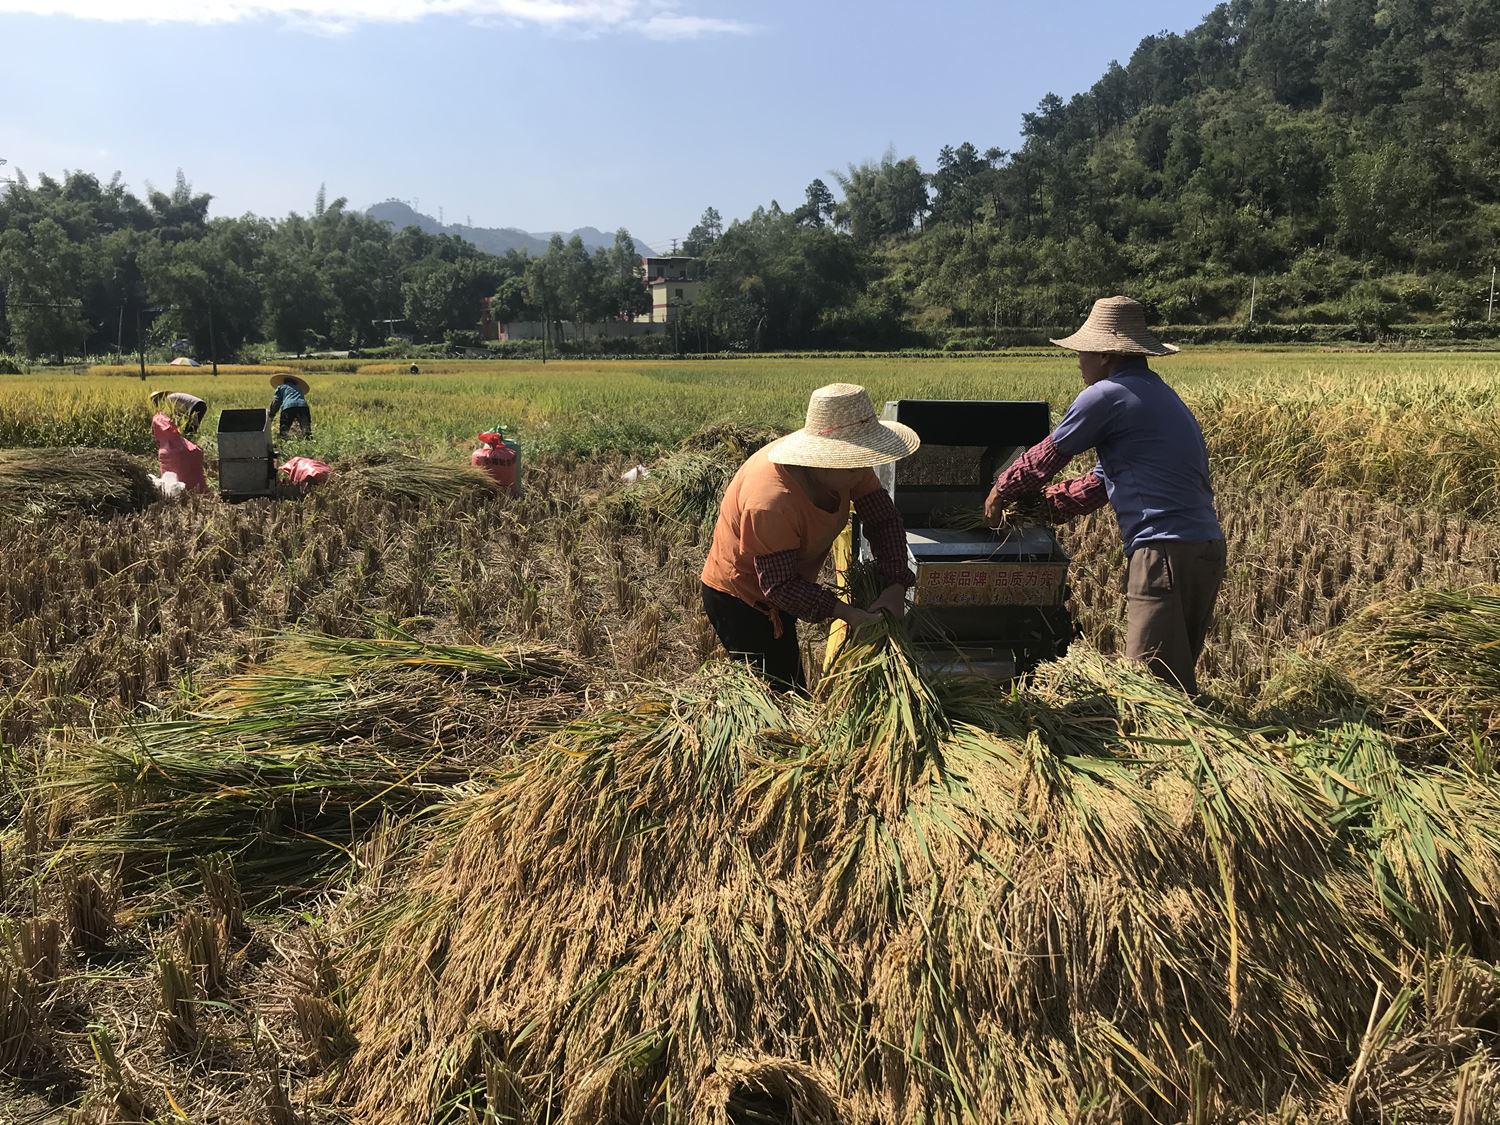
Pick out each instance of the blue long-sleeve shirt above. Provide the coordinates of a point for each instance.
(286, 395)
(1151, 453)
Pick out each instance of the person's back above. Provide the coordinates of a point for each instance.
(289, 395)
(1151, 453)
(185, 401)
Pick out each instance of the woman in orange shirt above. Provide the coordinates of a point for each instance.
(779, 518)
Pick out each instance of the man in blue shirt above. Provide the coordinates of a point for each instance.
(290, 398)
(1152, 469)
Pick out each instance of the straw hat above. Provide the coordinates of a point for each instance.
(287, 377)
(842, 432)
(1116, 325)
(157, 396)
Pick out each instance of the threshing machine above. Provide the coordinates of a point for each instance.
(247, 460)
(985, 601)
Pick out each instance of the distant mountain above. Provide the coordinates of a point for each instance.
(494, 240)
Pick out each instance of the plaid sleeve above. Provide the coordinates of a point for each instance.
(786, 589)
(882, 526)
(1029, 472)
(1077, 497)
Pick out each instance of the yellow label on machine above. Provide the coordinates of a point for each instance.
(971, 583)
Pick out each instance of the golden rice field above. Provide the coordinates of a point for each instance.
(408, 802)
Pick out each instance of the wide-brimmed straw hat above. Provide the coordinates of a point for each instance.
(287, 377)
(1116, 325)
(157, 396)
(842, 432)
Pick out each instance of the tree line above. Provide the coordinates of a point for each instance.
(88, 268)
(1337, 159)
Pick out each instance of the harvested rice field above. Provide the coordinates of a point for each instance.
(410, 802)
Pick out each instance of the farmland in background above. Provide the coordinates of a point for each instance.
(1343, 479)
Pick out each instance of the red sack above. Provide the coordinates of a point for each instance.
(178, 455)
(306, 471)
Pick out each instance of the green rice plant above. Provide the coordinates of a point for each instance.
(119, 1092)
(1432, 836)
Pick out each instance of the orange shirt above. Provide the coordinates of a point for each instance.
(765, 512)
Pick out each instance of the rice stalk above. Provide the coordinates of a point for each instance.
(177, 1003)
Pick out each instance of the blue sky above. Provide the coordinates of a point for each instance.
(539, 114)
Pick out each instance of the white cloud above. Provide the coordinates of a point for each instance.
(651, 18)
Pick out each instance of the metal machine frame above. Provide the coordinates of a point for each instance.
(247, 459)
(983, 601)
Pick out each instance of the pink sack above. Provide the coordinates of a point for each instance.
(178, 455)
(306, 471)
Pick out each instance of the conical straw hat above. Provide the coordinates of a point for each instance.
(842, 432)
(288, 377)
(1116, 325)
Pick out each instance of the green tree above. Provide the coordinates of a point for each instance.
(42, 273)
(706, 232)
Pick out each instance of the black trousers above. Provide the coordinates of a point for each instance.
(296, 416)
(195, 419)
(746, 634)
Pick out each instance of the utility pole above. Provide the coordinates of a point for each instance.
(213, 348)
(140, 344)
(1252, 299)
(1491, 311)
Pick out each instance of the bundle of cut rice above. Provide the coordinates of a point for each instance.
(405, 480)
(60, 482)
(1430, 663)
(684, 489)
(912, 900)
(286, 767)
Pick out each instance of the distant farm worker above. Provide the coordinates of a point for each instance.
(778, 521)
(1153, 469)
(414, 369)
(290, 398)
(180, 405)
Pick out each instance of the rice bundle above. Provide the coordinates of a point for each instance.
(406, 480)
(907, 900)
(685, 488)
(287, 767)
(60, 482)
(1430, 661)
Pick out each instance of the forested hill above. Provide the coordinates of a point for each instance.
(1346, 152)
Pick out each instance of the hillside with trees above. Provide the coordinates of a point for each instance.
(1341, 157)
(1337, 162)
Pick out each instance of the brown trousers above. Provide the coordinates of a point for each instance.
(1170, 588)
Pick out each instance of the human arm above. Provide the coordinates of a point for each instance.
(886, 533)
(1087, 422)
(276, 397)
(1028, 473)
(784, 587)
(1077, 496)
